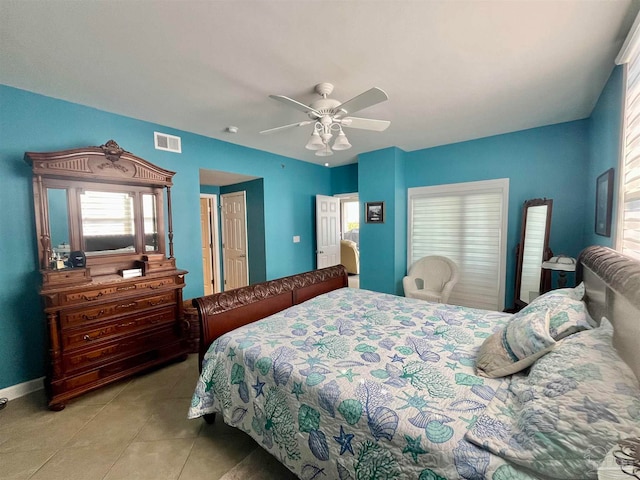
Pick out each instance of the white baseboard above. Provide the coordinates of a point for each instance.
(21, 389)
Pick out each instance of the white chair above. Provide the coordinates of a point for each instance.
(431, 278)
(349, 256)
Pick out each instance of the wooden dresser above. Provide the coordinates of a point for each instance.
(103, 325)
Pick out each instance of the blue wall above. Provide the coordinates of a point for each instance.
(383, 246)
(31, 122)
(605, 125)
(344, 179)
(542, 162)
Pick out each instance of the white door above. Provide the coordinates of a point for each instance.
(327, 231)
(207, 245)
(234, 240)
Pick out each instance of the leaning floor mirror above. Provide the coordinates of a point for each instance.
(532, 250)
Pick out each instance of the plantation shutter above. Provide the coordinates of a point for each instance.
(629, 205)
(107, 213)
(466, 223)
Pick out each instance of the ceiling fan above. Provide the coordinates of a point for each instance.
(329, 115)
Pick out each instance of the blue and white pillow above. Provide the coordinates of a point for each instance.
(563, 417)
(531, 333)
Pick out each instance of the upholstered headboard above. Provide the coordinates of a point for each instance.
(612, 290)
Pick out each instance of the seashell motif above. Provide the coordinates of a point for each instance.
(507, 472)
(343, 473)
(314, 379)
(483, 391)
(308, 419)
(422, 419)
(351, 410)
(383, 423)
(318, 445)
(264, 365)
(328, 396)
(438, 432)
(243, 392)
(428, 474)
(282, 372)
(370, 357)
(251, 355)
(237, 415)
(466, 379)
(467, 405)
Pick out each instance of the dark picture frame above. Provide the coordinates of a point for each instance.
(374, 212)
(604, 203)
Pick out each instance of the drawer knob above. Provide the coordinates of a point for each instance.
(87, 338)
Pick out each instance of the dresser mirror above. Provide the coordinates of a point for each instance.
(101, 201)
(532, 250)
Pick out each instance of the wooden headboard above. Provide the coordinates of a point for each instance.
(222, 312)
(612, 290)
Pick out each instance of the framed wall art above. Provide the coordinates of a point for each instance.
(374, 212)
(604, 203)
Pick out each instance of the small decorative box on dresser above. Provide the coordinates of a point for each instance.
(112, 298)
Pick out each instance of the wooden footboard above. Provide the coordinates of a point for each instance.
(222, 312)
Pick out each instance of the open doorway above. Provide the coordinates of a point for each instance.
(214, 186)
(350, 243)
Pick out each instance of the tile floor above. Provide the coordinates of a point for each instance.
(134, 429)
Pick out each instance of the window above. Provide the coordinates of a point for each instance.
(628, 224)
(351, 220)
(466, 222)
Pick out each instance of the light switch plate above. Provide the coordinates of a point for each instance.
(296, 239)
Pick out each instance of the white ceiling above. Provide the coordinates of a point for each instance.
(453, 70)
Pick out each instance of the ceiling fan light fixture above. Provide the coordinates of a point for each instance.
(341, 143)
(315, 142)
(325, 152)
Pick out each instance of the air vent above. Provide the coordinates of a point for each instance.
(170, 143)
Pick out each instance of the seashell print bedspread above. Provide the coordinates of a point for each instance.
(355, 384)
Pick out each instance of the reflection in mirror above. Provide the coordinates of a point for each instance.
(150, 223)
(58, 219)
(533, 249)
(107, 222)
(535, 229)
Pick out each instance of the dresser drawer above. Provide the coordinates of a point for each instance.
(96, 333)
(102, 374)
(105, 292)
(73, 318)
(127, 346)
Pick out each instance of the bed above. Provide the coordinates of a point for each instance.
(346, 383)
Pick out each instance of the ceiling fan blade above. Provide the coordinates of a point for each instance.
(364, 100)
(365, 123)
(284, 127)
(295, 104)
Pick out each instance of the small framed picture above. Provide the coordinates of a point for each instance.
(374, 212)
(604, 203)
